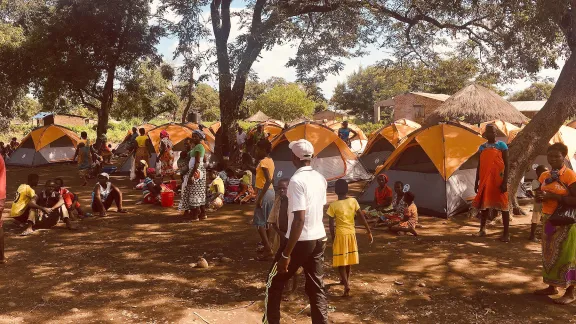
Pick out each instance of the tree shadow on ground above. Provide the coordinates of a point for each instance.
(136, 268)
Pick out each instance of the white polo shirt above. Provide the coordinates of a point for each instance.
(307, 191)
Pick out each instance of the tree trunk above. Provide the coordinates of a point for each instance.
(107, 99)
(190, 96)
(534, 138)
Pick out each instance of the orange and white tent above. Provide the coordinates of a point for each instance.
(45, 145)
(384, 141)
(210, 136)
(270, 127)
(503, 130)
(358, 142)
(124, 147)
(439, 163)
(178, 134)
(566, 135)
(332, 157)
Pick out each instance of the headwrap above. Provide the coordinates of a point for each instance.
(105, 175)
(383, 176)
(164, 134)
(199, 134)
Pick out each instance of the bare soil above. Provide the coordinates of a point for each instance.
(136, 268)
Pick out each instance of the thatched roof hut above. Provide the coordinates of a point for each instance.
(258, 117)
(476, 104)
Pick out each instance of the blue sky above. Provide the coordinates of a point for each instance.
(273, 63)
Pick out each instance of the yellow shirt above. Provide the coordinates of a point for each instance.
(217, 186)
(23, 197)
(141, 140)
(344, 212)
(247, 178)
(267, 163)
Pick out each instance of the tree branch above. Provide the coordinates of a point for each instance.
(86, 103)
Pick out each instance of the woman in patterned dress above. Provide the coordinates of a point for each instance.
(193, 198)
(558, 242)
(166, 155)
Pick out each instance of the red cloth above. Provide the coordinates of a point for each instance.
(382, 194)
(491, 177)
(2, 179)
(68, 198)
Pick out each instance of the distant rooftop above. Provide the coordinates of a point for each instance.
(528, 105)
(435, 96)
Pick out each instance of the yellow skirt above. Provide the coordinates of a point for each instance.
(345, 250)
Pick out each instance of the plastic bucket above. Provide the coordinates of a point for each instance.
(167, 198)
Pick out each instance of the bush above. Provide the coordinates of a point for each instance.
(368, 128)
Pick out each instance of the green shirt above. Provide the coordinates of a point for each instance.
(197, 148)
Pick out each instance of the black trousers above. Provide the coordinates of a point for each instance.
(310, 256)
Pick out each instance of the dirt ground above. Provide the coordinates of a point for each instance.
(136, 268)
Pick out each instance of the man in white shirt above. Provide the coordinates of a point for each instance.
(306, 238)
(240, 138)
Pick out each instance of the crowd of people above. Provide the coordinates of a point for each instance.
(289, 218)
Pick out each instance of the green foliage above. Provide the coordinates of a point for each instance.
(368, 128)
(536, 91)
(146, 93)
(388, 79)
(206, 102)
(285, 102)
(13, 100)
(83, 45)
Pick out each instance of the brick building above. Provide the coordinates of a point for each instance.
(48, 118)
(329, 115)
(415, 106)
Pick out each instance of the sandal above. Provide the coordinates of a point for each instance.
(122, 211)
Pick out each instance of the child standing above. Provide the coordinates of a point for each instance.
(345, 248)
(537, 209)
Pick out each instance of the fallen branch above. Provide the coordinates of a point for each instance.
(202, 318)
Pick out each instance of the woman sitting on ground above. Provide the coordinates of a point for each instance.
(395, 214)
(214, 200)
(409, 216)
(152, 190)
(382, 198)
(105, 194)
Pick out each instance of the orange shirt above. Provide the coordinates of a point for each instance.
(567, 176)
(267, 163)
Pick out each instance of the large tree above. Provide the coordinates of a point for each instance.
(285, 102)
(325, 30)
(146, 93)
(517, 37)
(85, 45)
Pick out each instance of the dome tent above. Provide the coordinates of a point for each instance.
(45, 145)
(270, 127)
(439, 163)
(503, 129)
(358, 142)
(178, 134)
(384, 141)
(208, 132)
(332, 157)
(123, 147)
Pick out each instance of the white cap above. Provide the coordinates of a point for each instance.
(105, 175)
(302, 149)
